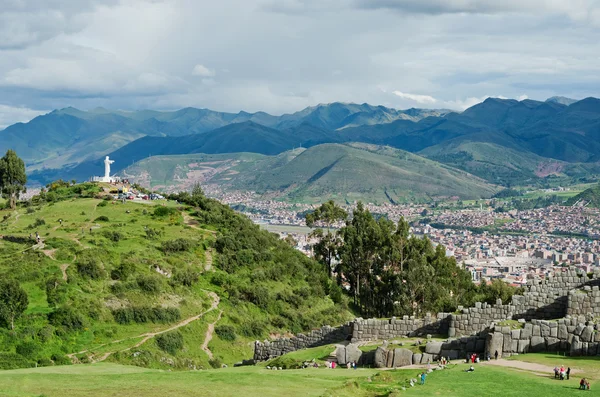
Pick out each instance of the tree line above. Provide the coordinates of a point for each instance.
(387, 271)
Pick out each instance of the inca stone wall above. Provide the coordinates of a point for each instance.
(384, 329)
(585, 301)
(565, 293)
(323, 336)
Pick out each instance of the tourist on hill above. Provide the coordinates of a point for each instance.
(568, 373)
(556, 372)
(582, 384)
(496, 355)
(471, 369)
(423, 376)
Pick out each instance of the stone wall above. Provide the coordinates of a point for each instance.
(585, 301)
(323, 336)
(387, 329)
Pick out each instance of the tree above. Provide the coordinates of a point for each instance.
(197, 191)
(326, 250)
(13, 301)
(12, 177)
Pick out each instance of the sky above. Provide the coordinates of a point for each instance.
(280, 56)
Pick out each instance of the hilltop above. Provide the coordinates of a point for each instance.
(344, 172)
(165, 284)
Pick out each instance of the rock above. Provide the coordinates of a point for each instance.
(340, 354)
(538, 344)
(587, 334)
(434, 348)
(353, 353)
(402, 357)
(527, 330)
(523, 346)
(380, 360)
(493, 343)
(426, 357)
(416, 358)
(562, 332)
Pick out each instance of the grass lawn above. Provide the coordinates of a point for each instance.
(107, 379)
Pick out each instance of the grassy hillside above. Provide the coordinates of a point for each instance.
(341, 172)
(142, 283)
(590, 196)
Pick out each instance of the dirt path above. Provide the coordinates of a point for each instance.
(191, 222)
(63, 269)
(147, 336)
(209, 334)
(209, 260)
(525, 366)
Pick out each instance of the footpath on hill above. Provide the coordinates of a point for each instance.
(149, 335)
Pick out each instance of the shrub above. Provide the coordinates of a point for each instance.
(103, 203)
(30, 210)
(177, 245)
(61, 359)
(142, 315)
(113, 235)
(67, 318)
(90, 268)
(226, 332)
(165, 211)
(153, 234)
(44, 362)
(28, 349)
(335, 293)
(170, 342)
(150, 284)
(186, 277)
(38, 222)
(14, 361)
(102, 218)
(252, 328)
(123, 272)
(215, 362)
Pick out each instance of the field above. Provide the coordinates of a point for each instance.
(125, 381)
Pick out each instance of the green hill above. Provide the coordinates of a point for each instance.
(341, 172)
(142, 283)
(589, 197)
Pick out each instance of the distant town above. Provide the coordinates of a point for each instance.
(512, 246)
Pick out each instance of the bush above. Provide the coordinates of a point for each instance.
(226, 332)
(113, 235)
(103, 203)
(14, 361)
(186, 277)
(123, 272)
(127, 315)
(102, 218)
(335, 293)
(44, 362)
(153, 234)
(28, 349)
(61, 359)
(67, 318)
(177, 245)
(165, 211)
(38, 222)
(252, 328)
(90, 268)
(215, 363)
(150, 284)
(170, 342)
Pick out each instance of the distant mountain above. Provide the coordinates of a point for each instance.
(589, 197)
(345, 172)
(561, 100)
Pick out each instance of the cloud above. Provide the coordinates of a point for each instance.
(522, 97)
(202, 71)
(423, 99)
(11, 114)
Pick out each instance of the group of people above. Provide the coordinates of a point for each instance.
(560, 373)
(584, 384)
(351, 365)
(472, 358)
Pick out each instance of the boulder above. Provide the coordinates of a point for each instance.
(562, 332)
(402, 357)
(494, 343)
(381, 355)
(587, 334)
(527, 330)
(426, 357)
(523, 346)
(340, 354)
(434, 348)
(416, 358)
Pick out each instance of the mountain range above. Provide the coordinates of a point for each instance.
(503, 141)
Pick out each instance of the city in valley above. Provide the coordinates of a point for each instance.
(512, 245)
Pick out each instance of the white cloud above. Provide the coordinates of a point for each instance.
(463, 104)
(522, 97)
(422, 99)
(11, 114)
(202, 71)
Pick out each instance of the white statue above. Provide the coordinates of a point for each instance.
(107, 163)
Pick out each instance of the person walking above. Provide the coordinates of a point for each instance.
(568, 372)
(496, 355)
(423, 375)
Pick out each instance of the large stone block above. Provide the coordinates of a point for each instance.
(562, 332)
(402, 357)
(538, 344)
(381, 355)
(434, 348)
(587, 334)
(416, 358)
(526, 332)
(523, 346)
(494, 343)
